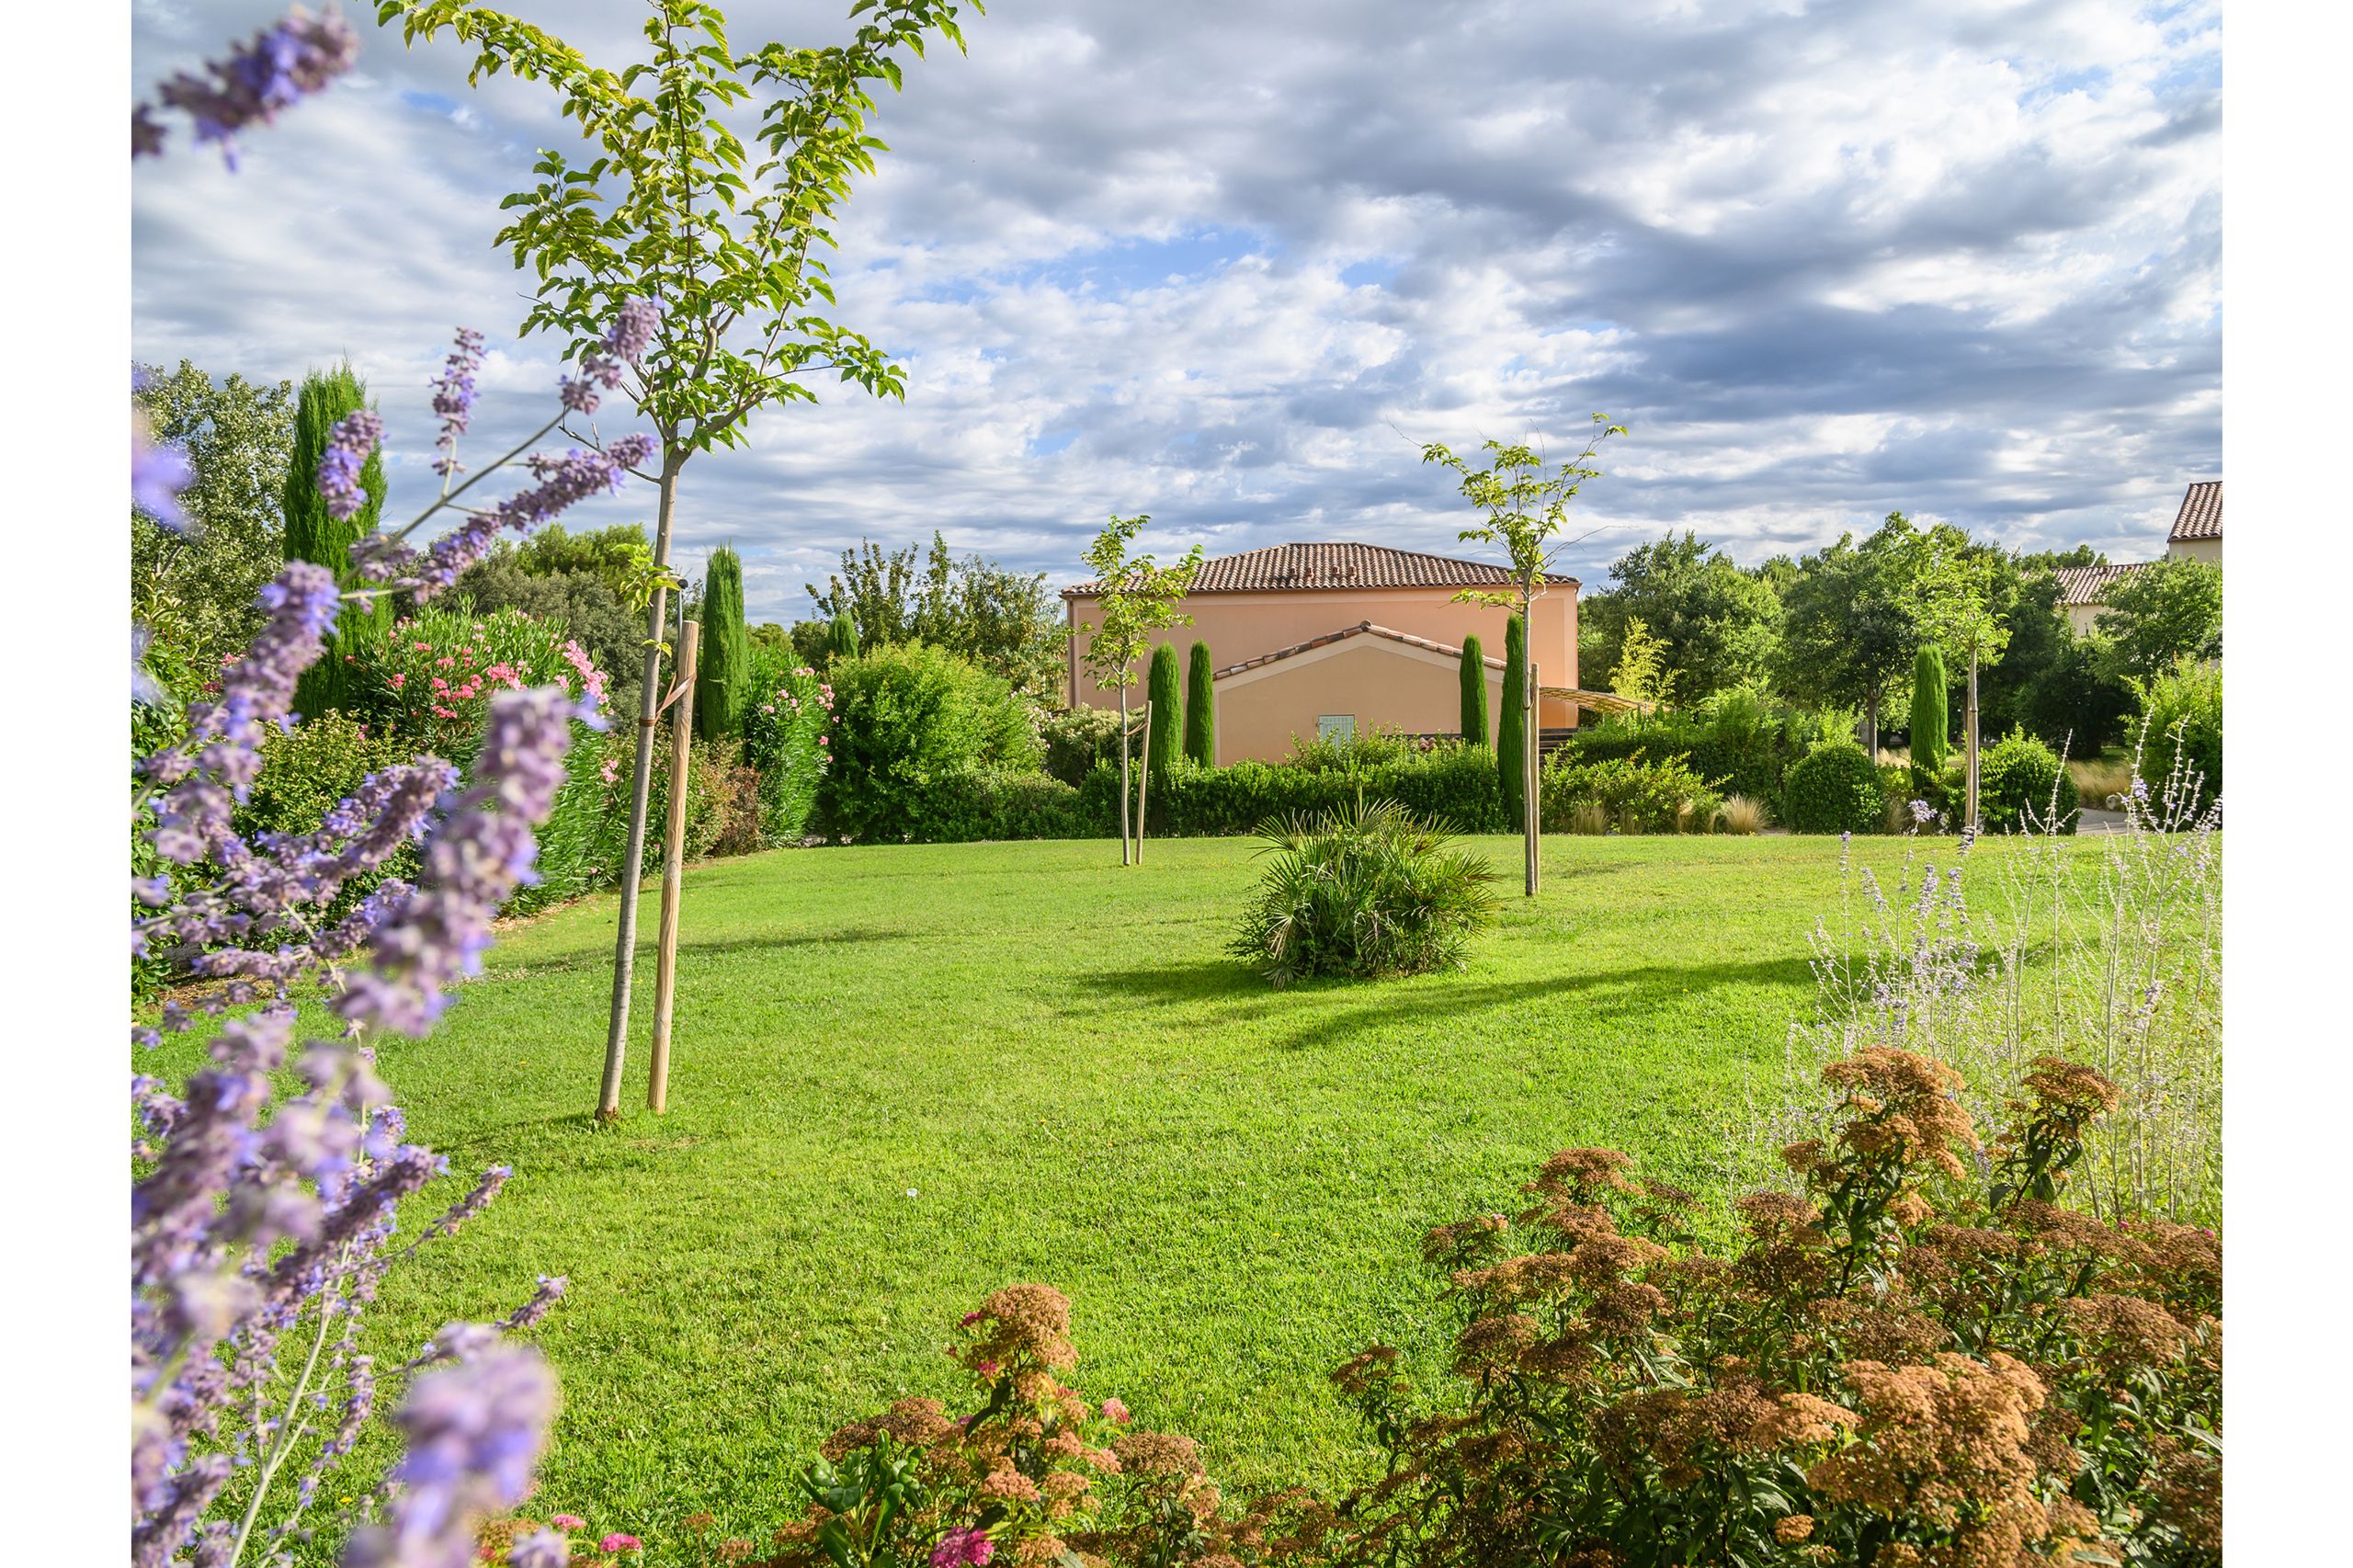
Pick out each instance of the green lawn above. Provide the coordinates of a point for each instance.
(907, 1075)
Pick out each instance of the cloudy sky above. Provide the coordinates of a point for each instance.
(1228, 264)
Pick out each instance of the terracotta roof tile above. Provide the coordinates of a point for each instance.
(1360, 629)
(2081, 586)
(2201, 513)
(1339, 566)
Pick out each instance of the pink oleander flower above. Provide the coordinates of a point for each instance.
(422, 647)
(1118, 1411)
(824, 740)
(398, 681)
(768, 706)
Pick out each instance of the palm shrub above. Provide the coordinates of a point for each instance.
(1834, 788)
(1200, 708)
(2022, 785)
(723, 665)
(1475, 692)
(1167, 716)
(1365, 891)
(1511, 735)
(1931, 711)
(316, 534)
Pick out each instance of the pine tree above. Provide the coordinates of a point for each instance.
(315, 534)
(1200, 708)
(1167, 715)
(1511, 735)
(841, 640)
(1475, 692)
(1931, 710)
(724, 674)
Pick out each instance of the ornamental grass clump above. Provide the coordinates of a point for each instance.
(1366, 890)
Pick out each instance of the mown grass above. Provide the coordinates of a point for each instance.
(906, 1075)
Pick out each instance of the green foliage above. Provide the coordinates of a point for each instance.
(1964, 594)
(1931, 710)
(1834, 788)
(1628, 794)
(1138, 598)
(724, 661)
(1527, 506)
(428, 681)
(1511, 731)
(1077, 741)
(1642, 674)
(315, 534)
(2180, 733)
(873, 592)
(307, 769)
(196, 590)
(1442, 781)
(1365, 892)
(786, 740)
(1200, 708)
(580, 599)
(2167, 611)
(2022, 787)
(912, 724)
(1007, 622)
(1848, 620)
(1720, 624)
(1739, 738)
(1474, 693)
(621, 557)
(1165, 744)
(841, 639)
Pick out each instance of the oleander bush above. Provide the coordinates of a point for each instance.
(1834, 788)
(788, 741)
(2021, 785)
(428, 681)
(1913, 1353)
(1631, 794)
(1369, 890)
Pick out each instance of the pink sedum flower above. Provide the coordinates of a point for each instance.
(568, 1522)
(618, 1542)
(1118, 1411)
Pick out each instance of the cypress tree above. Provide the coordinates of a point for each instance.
(1167, 714)
(1475, 692)
(315, 534)
(1511, 735)
(724, 674)
(841, 640)
(1200, 708)
(1931, 710)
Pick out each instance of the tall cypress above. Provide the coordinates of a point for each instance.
(1931, 710)
(1167, 716)
(1475, 692)
(1511, 735)
(315, 534)
(1200, 708)
(841, 640)
(723, 672)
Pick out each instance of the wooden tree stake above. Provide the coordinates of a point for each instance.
(1535, 824)
(1143, 778)
(673, 850)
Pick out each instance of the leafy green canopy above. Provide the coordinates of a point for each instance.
(1004, 621)
(2167, 611)
(1720, 623)
(1848, 622)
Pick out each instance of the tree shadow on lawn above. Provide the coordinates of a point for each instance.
(1610, 996)
(600, 956)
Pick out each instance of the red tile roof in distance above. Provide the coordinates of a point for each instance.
(2201, 513)
(2083, 586)
(1286, 567)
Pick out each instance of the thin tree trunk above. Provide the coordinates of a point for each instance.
(1870, 725)
(1534, 825)
(1972, 721)
(1126, 835)
(673, 848)
(1532, 735)
(649, 700)
(1143, 778)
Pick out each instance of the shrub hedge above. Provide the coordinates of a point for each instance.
(2019, 780)
(1631, 794)
(1834, 788)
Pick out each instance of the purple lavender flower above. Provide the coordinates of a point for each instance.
(631, 333)
(144, 687)
(562, 483)
(353, 440)
(453, 398)
(625, 344)
(277, 67)
(540, 1549)
(158, 473)
(474, 1431)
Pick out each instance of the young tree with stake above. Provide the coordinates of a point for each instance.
(1527, 505)
(1957, 610)
(674, 207)
(1138, 598)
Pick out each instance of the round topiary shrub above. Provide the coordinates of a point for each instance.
(1365, 891)
(1834, 788)
(2022, 785)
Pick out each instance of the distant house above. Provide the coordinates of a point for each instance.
(2197, 534)
(1341, 638)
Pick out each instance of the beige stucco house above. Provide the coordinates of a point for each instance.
(1310, 639)
(2197, 534)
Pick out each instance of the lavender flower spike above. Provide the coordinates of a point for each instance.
(453, 398)
(475, 1433)
(158, 473)
(353, 440)
(278, 67)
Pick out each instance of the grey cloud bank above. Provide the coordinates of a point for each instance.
(1229, 264)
